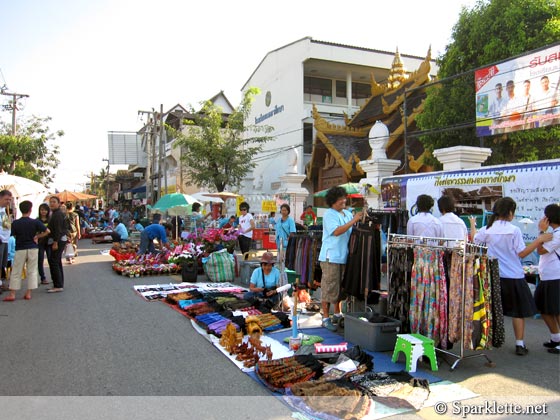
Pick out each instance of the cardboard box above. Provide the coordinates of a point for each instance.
(379, 335)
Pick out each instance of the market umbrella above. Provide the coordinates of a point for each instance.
(349, 187)
(66, 196)
(353, 189)
(169, 201)
(176, 204)
(201, 196)
(224, 195)
(21, 188)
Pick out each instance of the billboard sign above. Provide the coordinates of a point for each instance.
(519, 94)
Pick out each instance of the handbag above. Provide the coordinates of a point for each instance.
(69, 251)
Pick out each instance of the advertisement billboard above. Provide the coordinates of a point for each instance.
(519, 94)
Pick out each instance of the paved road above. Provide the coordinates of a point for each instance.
(98, 338)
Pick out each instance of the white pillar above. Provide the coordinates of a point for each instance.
(462, 157)
(291, 184)
(376, 170)
(349, 92)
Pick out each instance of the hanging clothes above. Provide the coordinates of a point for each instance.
(363, 266)
(302, 256)
(428, 295)
(498, 329)
(398, 301)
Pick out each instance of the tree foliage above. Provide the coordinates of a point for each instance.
(492, 31)
(32, 153)
(218, 150)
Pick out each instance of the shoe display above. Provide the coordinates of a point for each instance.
(551, 344)
(521, 350)
(327, 323)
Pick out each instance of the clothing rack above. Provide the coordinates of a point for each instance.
(464, 247)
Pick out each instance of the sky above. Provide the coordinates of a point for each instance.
(92, 65)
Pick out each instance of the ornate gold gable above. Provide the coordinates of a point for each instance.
(331, 147)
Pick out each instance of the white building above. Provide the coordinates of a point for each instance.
(336, 78)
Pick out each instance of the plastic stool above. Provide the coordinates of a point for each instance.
(414, 346)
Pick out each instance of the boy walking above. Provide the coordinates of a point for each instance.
(27, 232)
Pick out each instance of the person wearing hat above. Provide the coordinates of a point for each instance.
(264, 280)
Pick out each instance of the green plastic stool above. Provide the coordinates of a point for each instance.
(415, 346)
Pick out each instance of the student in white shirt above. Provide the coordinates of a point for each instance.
(505, 242)
(424, 223)
(547, 295)
(452, 225)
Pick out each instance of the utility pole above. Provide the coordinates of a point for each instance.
(164, 147)
(13, 106)
(150, 147)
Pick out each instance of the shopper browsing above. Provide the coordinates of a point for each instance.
(451, 224)
(27, 232)
(245, 227)
(547, 295)
(337, 227)
(505, 242)
(285, 227)
(423, 223)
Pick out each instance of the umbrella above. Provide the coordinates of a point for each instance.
(201, 196)
(170, 201)
(66, 195)
(21, 187)
(349, 187)
(353, 189)
(224, 195)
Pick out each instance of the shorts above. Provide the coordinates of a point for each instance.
(331, 281)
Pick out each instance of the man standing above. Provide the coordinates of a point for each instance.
(337, 227)
(546, 103)
(57, 241)
(151, 232)
(5, 229)
(27, 232)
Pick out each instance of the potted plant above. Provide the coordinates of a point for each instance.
(187, 259)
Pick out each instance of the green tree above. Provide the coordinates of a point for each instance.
(218, 150)
(492, 31)
(32, 152)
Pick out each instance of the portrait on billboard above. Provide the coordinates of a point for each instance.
(519, 94)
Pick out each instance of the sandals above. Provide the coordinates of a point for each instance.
(9, 299)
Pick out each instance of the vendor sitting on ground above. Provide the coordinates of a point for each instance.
(264, 280)
(119, 233)
(151, 232)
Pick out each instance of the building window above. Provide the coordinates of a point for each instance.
(317, 86)
(359, 90)
(307, 138)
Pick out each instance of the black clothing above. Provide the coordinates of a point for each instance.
(24, 230)
(57, 225)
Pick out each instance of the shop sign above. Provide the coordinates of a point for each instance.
(268, 206)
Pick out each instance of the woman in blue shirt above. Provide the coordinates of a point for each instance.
(285, 226)
(264, 280)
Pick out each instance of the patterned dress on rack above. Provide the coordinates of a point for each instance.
(428, 295)
(456, 314)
